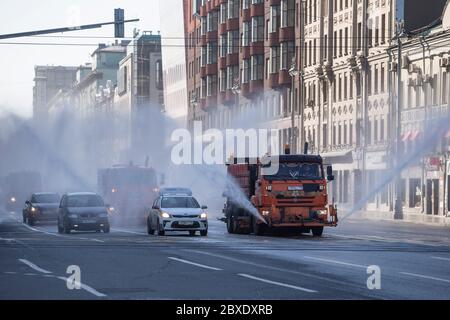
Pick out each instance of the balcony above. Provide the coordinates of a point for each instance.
(222, 62)
(246, 52)
(230, 98)
(203, 40)
(273, 80)
(257, 10)
(274, 2)
(256, 48)
(245, 89)
(221, 97)
(211, 69)
(203, 11)
(273, 39)
(284, 78)
(211, 102)
(222, 28)
(211, 36)
(246, 15)
(233, 24)
(287, 34)
(202, 71)
(232, 59)
(256, 86)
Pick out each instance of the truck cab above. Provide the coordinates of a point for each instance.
(294, 196)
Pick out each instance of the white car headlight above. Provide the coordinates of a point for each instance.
(165, 215)
(203, 215)
(33, 209)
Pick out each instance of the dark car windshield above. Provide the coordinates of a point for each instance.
(179, 202)
(85, 201)
(297, 171)
(45, 198)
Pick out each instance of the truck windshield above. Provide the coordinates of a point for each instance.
(297, 171)
(179, 202)
(45, 198)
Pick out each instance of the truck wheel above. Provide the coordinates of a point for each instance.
(192, 233)
(106, 229)
(31, 222)
(204, 233)
(230, 225)
(24, 218)
(60, 229)
(258, 228)
(317, 231)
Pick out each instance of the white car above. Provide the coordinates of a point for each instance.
(177, 213)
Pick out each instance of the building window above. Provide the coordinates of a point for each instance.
(245, 4)
(346, 42)
(345, 86)
(359, 45)
(376, 80)
(245, 70)
(257, 70)
(351, 86)
(274, 59)
(211, 85)
(212, 20)
(233, 42)
(274, 18)
(203, 56)
(203, 89)
(232, 76)
(223, 45)
(246, 33)
(257, 29)
(325, 47)
(382, 77)
(233, 9)
(287, 53)
(444, 88)
(383, 28)
(223, 12)
(287, 13)
(222, 80)
(203, 25)
(211, 52)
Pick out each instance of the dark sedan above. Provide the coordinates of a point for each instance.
(82, 211)
(41, 206)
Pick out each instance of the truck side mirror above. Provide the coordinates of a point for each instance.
(330, 176)
(204, 207)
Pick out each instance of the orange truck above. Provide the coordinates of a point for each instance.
(293, 198)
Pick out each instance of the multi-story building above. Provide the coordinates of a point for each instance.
(48, 81)
(318, 70)
(425, 75)
(140, 86)
(174, 67)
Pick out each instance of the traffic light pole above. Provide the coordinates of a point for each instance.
(60, 30)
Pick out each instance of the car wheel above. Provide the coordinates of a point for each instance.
(106, 229)
(31, 222)
(160, 232)
(149, 228)
(60, 229)
(204, 233)
(192, 233)
(24, 218)
(317, 231)
(66, 229)
(230, 226)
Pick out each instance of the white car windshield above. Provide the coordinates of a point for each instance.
(179, 202)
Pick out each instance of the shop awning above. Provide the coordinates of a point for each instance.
(406, 136)
(415, 135)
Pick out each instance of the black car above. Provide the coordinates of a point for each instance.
(42, 206)
(82, 211)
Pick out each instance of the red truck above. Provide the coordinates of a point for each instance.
(128, 190)
(295, 197)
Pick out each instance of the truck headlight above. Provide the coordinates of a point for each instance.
(13, 199)
(322, 212)
(33, 209)
(203, 215)
(265, 212)
(165, 215)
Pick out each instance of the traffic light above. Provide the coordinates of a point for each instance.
(119, 25)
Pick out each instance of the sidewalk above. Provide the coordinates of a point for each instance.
(418, 218)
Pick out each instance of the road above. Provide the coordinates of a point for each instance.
(414, 262)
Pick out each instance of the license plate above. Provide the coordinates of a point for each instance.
(295, 188)
(185, 223)
(88, 221)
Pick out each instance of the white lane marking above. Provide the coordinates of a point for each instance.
(86, 287)
(195, 264)
(33, 266)
(10, 272)
(277, 283)
(30, 274)
(440, 258)
(425, 277)
(128, 231)
(336, 262)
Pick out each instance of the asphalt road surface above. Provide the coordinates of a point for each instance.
(413, 260)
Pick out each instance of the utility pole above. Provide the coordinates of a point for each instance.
(293, 72)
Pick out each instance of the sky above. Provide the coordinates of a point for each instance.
(17, 61)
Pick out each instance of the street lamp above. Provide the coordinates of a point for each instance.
(293, 72)
(398, 202)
